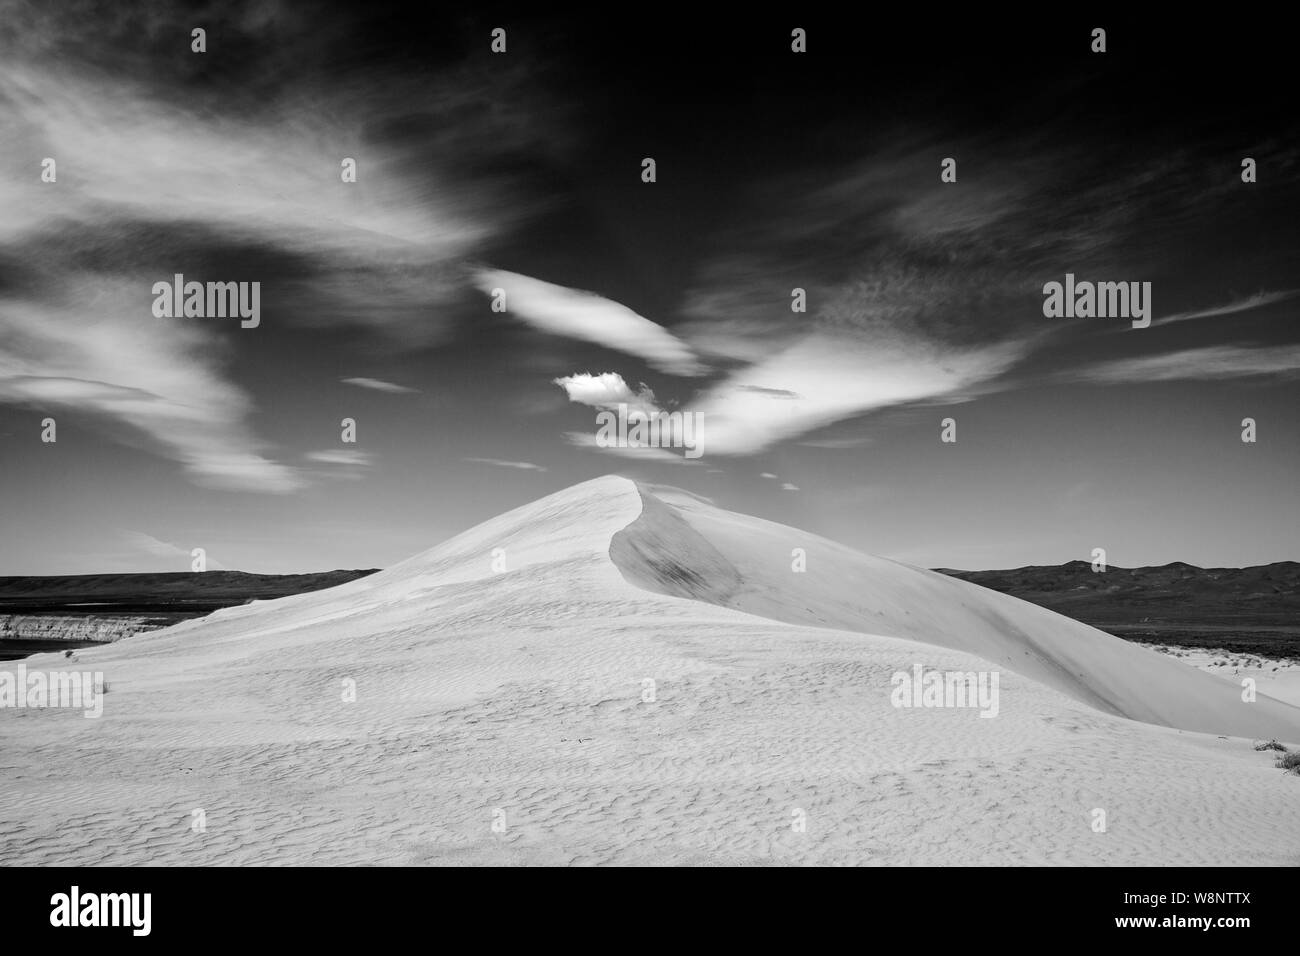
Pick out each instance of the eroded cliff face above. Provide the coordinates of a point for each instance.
(74, 627)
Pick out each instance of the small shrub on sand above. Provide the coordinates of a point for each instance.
(1270, 745)
(1289, 762)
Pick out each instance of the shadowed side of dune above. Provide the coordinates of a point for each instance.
(660, 552)
(685, 547)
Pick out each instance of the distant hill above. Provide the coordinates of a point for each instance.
(1255, 609)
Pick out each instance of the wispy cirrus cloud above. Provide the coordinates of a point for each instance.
(836, 378)
(1198, 364)
(163, 168)
(86, 349)
(921, 292)
(576, 314)
(379, 385)
(1246, 304)
(856, 441)
(503, 463)
(147, 543)
(151, 545)
(340, 456)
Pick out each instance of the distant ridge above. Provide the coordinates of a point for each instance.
(1254, 609)
(1279, 578)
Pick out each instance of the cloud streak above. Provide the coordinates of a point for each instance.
(588, 317)
(147, 543)
(379, 386)
(1256, 301)
(340, 456)
(502, 463)
(1200, 364)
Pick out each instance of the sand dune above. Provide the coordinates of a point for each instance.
(522, 698)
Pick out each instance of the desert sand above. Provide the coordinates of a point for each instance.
(504, 714)
(1279, 679)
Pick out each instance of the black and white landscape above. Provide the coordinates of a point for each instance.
(476, 436)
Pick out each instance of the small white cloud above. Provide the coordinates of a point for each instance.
(767, 474)
(789, 487)
(608, 390)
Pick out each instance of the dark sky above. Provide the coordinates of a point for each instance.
(522, 171)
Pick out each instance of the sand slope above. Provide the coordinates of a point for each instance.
(520, 698)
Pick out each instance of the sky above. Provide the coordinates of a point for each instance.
(521, 172)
